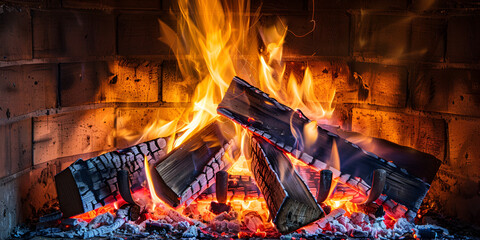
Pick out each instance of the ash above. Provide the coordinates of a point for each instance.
(165, 223)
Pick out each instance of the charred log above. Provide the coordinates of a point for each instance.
(404, 157)
(267, 118)
(289, 200)
(188, 170)
(88, 185)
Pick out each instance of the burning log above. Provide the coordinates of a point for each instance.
(280, 125)
(88, 185)
(289, 200)
(403, 157)
(188, 170)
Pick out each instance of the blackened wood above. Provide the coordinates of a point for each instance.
(288, 198)
(420, 164)
(267, 118)
(68, 194)
(325, 184)
(50, 217)
(378, 184)
(124, 186)
(189, 169)
(88, 185)
(221, 186)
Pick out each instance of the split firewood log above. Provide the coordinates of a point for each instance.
(288, 198)
(185, 172)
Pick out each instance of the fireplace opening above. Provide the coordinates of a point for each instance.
(239, 119)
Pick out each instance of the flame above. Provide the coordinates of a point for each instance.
(215, 41)
(148, 174)
(295, 94)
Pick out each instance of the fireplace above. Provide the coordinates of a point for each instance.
(83, 78)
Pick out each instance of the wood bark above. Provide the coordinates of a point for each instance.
(288, 198)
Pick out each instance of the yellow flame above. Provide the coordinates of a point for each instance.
(344, 203)
(213, 42)
(310, 133)
(153, 194)
(293, 93)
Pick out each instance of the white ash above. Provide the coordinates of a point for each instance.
(191, 232)
(173, 225)
(106, 218)
(358, 225)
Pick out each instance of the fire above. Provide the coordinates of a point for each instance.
(153, 195)
(215, 41)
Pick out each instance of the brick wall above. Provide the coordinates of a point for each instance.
(73, 73)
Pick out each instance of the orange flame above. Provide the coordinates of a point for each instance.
(215, 41)
(153, 194)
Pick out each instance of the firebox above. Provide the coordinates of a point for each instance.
(240, 119)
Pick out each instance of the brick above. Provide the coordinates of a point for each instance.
(336, 4)
(138, 34)
(279, 5)
(15, 147)
(83, 83)
(422, 133)
(73, 133)
(9, 202)
(462, 39)
(136, 81)
(116, 81)
(330, 37)
(329, 76)
(72, 34)
(174, 87)
(381, 35)
(16, 35)
(378, 84)
(26, 197)
(463, 142)
(427, 5)
(386, 5)
(428, 39)
(455, 91)
(454, 195)
(113, 4)
(34, 86)
(131, 123)
(35, 4)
